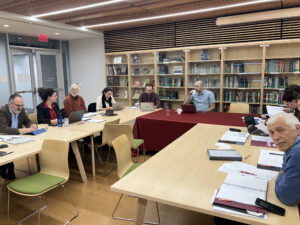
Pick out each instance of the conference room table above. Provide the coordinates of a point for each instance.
(158, 129)
(71, 134)
(181, 175)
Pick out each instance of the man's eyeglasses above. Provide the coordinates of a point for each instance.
(18, 105)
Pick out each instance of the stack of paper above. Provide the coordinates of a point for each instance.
(272, 110)
(234, 137)
(16, 139)
(86, 115)
(270, 160)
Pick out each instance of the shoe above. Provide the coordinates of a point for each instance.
(11, 174)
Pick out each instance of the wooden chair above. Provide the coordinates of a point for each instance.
(239, 108)
(115, 130)
(122, 148)
(33, 117)
(54, 173)
(102, 141)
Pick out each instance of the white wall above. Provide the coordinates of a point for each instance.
(87, 66)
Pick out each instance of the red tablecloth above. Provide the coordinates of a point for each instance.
(160, 128)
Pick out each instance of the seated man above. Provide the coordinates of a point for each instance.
(149, 96)
(12, 120)
(74, 102)
(204, 100)
(284, 129)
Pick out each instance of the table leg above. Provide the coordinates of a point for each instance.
(140, 211)
(93, 155)
(79, 161)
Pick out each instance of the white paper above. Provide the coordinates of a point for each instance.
(270, 158)
(272, 110)
(247, 170)
(221, 209)
(240, 137)
(95, 121)
(16, 139)
(86, 115)
(243, 189)
(225, 153)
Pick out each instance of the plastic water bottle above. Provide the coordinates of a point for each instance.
(137, 105)
(59, 120)
(66, 121)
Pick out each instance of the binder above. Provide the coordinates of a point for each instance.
(223, 154)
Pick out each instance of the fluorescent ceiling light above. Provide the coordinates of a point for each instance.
(181, 13)
(77, 8)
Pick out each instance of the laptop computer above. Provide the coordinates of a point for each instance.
(147, 106)
(76, 116)
(252, 129)
(118, 106)
(188, 108)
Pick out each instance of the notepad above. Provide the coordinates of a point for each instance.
(16, 139)
(232, 137)
(224, 154)
(270, 160)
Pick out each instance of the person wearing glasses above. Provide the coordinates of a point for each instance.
(14, 121)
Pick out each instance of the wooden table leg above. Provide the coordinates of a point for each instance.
(79, 161)
(140, 211)
(93, 155)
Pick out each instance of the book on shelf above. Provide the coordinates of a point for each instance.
(242, 96)
(204, 68)
(163, 69)
(177, 70)
(136, 71)
(275, 82)
(204, 54)
(113, 81)
(135, 58)
(171, 82)
(146, 81)
(168, 94)
(137, 82)
(117, 59)
(117, 70)
(235, 67)
(282, 65)
(116, 92)
(145, 71)
(137, 93)
(273, 97)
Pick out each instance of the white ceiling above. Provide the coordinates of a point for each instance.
(28, 26)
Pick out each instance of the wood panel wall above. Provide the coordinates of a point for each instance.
(198, 32)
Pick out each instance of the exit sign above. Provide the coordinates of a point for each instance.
(43, 37)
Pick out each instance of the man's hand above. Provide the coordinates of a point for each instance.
(26, 130)
(192, 92)
(53, 121)
(33, 127)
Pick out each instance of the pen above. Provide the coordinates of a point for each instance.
(247, 156)
(245, 172)
(271, 153)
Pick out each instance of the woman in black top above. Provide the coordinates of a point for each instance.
(48, 110)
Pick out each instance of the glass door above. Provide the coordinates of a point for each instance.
(24, 82)
(50, 73)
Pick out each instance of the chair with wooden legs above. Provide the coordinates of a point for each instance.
(115, 130)
(54, 173)
(102, 141)
(122, 149)
(239, 108)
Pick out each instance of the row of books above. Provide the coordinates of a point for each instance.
(234, 67)
(117, 70)
(273, 97)
(275, 82)
(282, 65)
(136, 59)
(168, 94)
(171, 82)
(144, 71)
(236, 82)
(163, 58)
(163, 69)
(120, 93)
(116, 81)
(216, 94)
(204, 68)
(242, 96)
(209, 82)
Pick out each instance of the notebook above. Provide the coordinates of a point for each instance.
(16, 139)
(233, 137)
(224, 154)
(270, 160)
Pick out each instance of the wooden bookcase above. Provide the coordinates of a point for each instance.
(255, 73)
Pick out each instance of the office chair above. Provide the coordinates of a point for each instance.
(92, 107)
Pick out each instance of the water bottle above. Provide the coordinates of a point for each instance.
(59, 120)
(137, 105)
(66, 121)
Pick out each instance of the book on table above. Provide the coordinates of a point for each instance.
(224, 154)
(238, 194)
(232, 137)
(16, 139)
(262, 141)
(270, 160)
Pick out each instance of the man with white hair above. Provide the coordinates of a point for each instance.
(204, 100)
(74, 102)
(284, 129)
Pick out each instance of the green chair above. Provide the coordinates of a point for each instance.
(125, 166)
(115, 130)
(54, 173)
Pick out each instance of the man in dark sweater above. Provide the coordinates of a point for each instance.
(12, 120)
(149, 96)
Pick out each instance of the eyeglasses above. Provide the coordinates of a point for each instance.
(18, 105)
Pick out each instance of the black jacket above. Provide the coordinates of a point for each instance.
(43, 114)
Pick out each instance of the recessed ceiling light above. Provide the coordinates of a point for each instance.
(56, 33)
(181, 13)
(6, 25)
(77, 8)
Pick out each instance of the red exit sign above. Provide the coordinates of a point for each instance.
(43, 37)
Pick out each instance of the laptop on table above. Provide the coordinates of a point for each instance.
(252, 129)
(76, 116)
(188, 108)
(118, 106)
(147, 106)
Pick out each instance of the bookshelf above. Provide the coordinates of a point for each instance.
(255, 73)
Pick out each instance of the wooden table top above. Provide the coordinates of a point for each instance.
(181, 175)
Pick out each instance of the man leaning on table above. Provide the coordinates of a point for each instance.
(12, 120)
(284, 129)
(204, 100)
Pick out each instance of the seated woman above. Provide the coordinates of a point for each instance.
(106, 100)
(48, 110)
